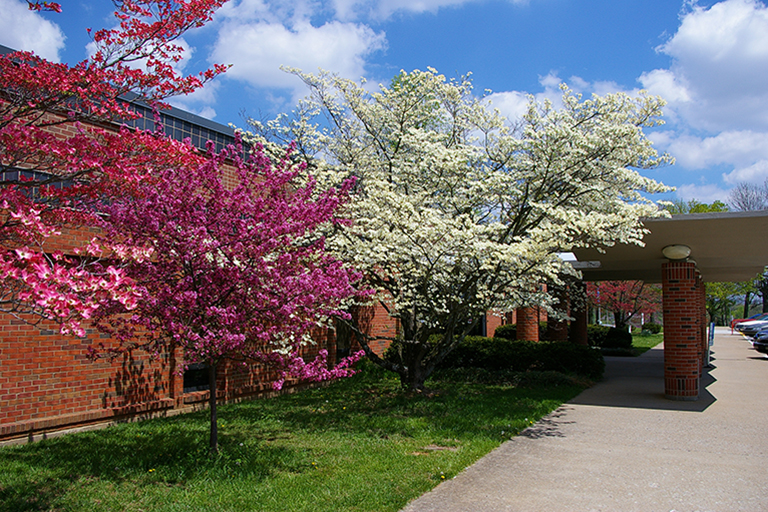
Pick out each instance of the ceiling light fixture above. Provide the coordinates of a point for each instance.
(676, 252)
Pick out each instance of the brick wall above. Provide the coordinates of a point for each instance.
(46, 380)
(47, 383)
(376, 322)
(492, 322)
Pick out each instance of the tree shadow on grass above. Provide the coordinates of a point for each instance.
(169, 452)
(451, 410)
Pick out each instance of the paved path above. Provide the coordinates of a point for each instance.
(621, 446)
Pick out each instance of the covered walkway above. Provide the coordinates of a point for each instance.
(621, 446)
(681, 253)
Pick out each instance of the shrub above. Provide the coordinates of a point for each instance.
(608, 337)
(617, 338)
(528, 379)
(506, 331)
(651, 327)
(494, 354)
(596, 335)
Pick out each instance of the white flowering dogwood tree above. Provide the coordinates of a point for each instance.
(456, 211)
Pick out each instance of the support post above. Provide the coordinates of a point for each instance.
(528, 324)
(703, 321)
(682, 362)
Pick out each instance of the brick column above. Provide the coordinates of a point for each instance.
(528, 324)
(682, 363)
(578, 332)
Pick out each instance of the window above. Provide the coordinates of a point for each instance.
(196, 378)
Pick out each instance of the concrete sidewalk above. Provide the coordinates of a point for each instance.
(621, 446)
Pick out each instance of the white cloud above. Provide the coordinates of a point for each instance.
(511, 105)
(269, 11)
(257, 50)
(702, 193)
(22, 29)
(382, 9)
(178, 66)
(737, 148)
(385, 8)
(720, 67)
(664, 83)
(207, 112)
(755, 173)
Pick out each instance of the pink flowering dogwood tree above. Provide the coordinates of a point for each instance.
(237, 269)
(624, 299)
(54, 156)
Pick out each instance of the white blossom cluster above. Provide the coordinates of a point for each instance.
(456, 211)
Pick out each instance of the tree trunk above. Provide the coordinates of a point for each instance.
(214, 438)
(413, 378)
(747, 301)
(762, 287)
(618, 320)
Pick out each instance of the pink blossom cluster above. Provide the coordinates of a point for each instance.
(625, 299)
(63, 161)
(294, 366)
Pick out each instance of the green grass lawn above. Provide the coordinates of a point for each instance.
(361, 445)
(642, 343)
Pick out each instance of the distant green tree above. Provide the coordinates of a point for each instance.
(748, 290)
(679, 206)
(721, 297)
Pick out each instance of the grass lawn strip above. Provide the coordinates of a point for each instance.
(361, 444)
(644, 342)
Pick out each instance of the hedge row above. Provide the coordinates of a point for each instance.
(597, 335)
(521, 356)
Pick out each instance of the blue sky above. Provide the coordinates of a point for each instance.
(708, 59)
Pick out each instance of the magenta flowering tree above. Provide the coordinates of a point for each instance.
(625, 299)
(43, 171)
(237, 269)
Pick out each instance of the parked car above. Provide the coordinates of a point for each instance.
(760, 341)
(759, 316)
(751, 327)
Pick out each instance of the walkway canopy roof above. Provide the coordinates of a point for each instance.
(727, 246)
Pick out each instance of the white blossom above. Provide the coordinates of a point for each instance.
(458, 211)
